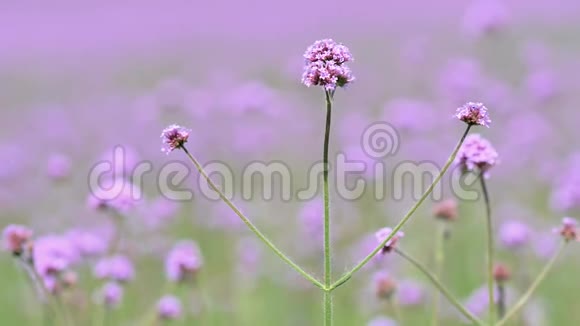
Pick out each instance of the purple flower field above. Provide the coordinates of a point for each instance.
(294, 163)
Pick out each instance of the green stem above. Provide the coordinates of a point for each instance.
(489, 244)
(327, 252)
(119, 222)
(439, 259)
(43, 293)
(407, 216)
(522, 301)
(500, 300)
(250, 225)
(396, 309)
(440, 287)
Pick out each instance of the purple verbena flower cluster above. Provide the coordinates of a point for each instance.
(325, 65)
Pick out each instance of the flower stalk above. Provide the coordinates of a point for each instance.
(327, 249)
(528, 294)
(407, 216)
(489, 251)
(248, 223)
(440, 287)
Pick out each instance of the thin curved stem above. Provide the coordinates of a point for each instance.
(407, 216)
(489, 244)
(327, 251)
(441, 288)
(526, 296)
(250, 225)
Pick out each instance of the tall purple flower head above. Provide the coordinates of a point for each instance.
(390, 245)
(15, 238)
(169, 308)
(173, 137)
(569, 229)
(116, 268)
(325, 65)
(183, 261)
(476, 154)
(473, 113)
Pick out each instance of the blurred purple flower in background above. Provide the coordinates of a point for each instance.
(115, 268)
(568, 230)
(384, 285)
(15, 237)
(542, 85)
(87, 243)
(476, 155)
(545, 244)
(410, 293)
(110, 295)
(382, 234)
(116, 194)
(326, 65)
(478, 301)
(53, 254)
(566, 188)
(58, 166)
(514, 234)
(183, 261)
(249, 263)
(483, 17)
(169, 308)
(409, 114)
(460, 79)
(311, 219)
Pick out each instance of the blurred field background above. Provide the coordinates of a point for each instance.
(77, 79)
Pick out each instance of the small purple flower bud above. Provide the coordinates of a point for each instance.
(473, 114)
(174, 137)
(169, 308)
